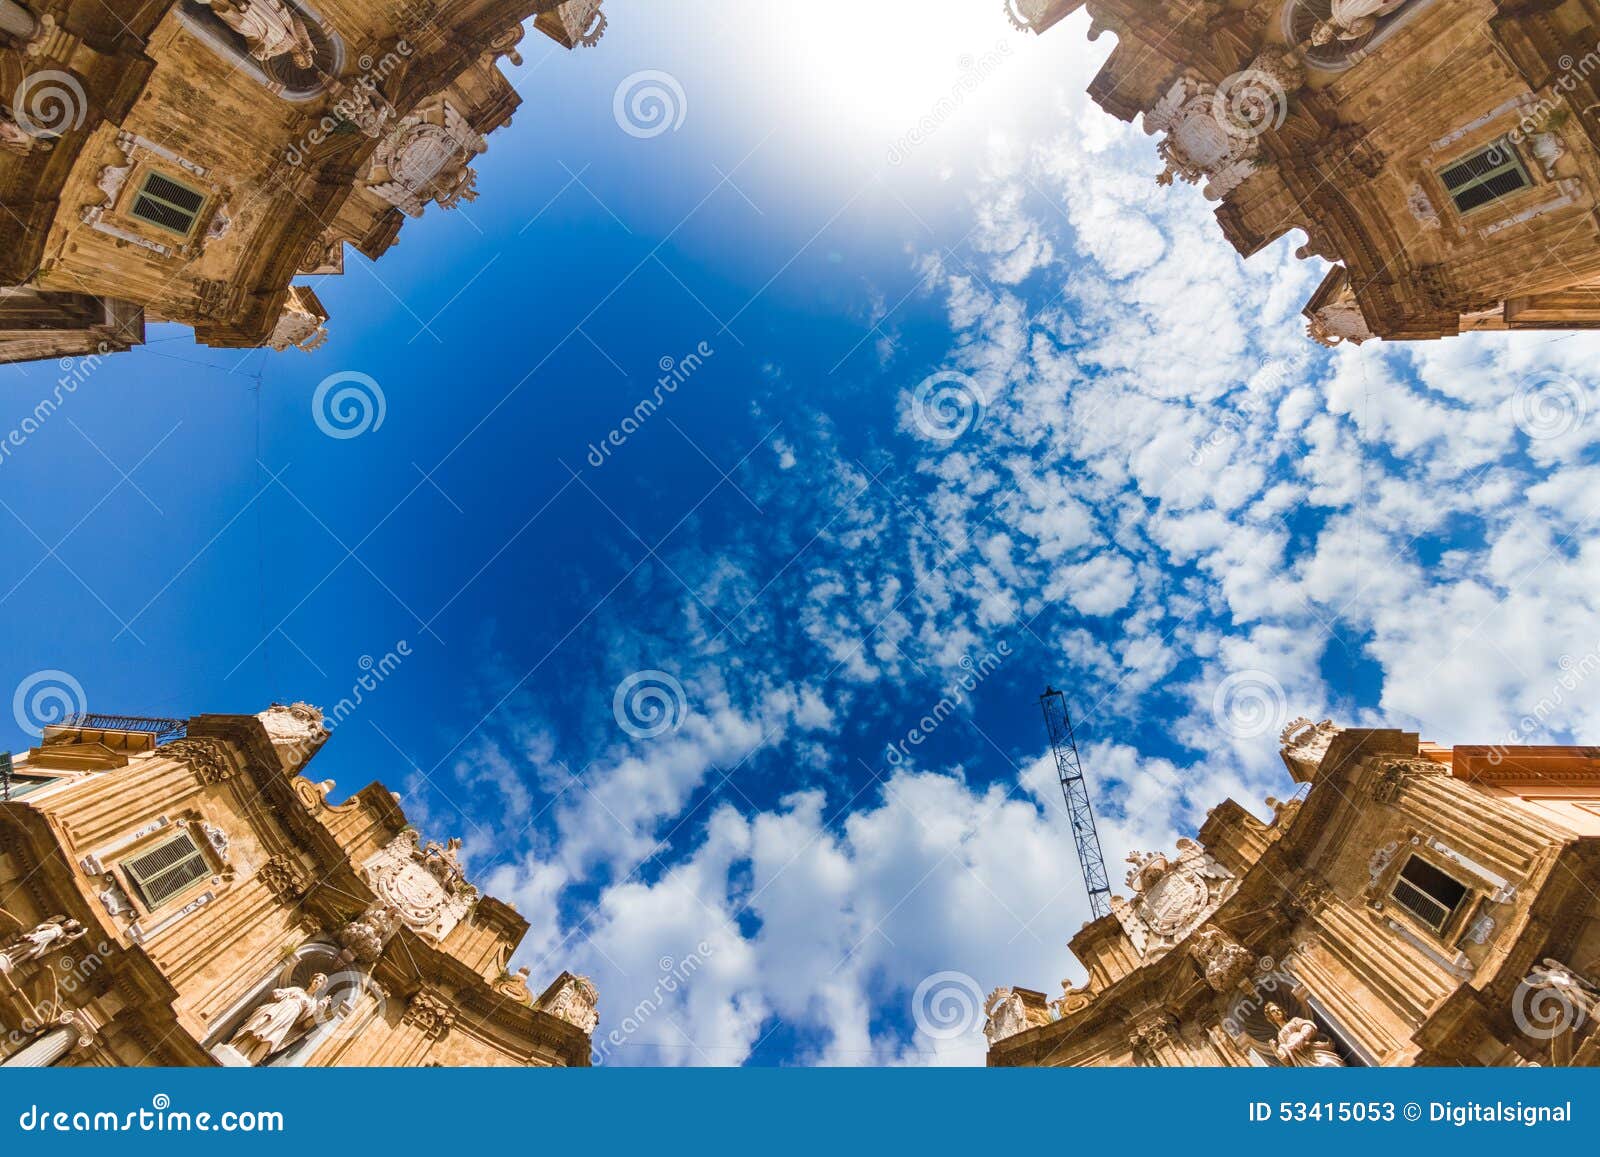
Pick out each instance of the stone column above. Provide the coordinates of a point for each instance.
(45, 1051)
(17, 21)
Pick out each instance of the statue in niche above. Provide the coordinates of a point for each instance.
(270, 29)
(1353, 19)
(11, 133)
(51, 936)
(288, 1016)
(1574, 991)
(1300, 1042)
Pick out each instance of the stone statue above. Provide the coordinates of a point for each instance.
(1300, 1042)
(1353, 19)
(51, 936)
(1305, 743)
(285, 1018)
(576, 1001)
(1223, 959)
(1006, 1015)
(443, 862)
(12, 133)
(269, 28)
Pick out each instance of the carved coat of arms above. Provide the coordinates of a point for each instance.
(1172, 896)
(425, 886)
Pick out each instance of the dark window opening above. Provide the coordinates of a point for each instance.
(1429, 894)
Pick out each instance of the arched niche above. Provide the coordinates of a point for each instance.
(1301, 17)
(1249, 1023)
(354, 1001)
(281, 75)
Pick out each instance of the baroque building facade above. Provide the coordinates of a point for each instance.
(1444, 155)
(186, 160)
(1413, 905)
(182, 894)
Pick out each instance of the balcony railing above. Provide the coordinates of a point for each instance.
(165, 730)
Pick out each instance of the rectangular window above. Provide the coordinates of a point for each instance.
(1486, 176)
(166, 204)
(168, 870)
(1427, 893)
(24, 785)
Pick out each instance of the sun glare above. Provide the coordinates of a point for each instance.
(881, 65)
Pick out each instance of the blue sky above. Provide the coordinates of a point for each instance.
(963, 404)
